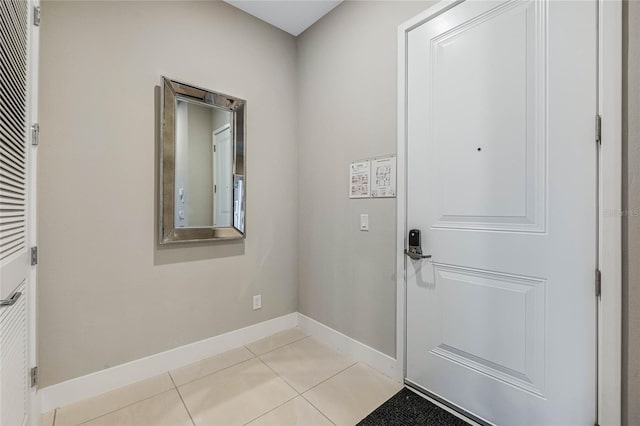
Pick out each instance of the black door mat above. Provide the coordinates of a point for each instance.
(407, 408)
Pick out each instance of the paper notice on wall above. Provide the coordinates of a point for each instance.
(383, 177)
(359, 179)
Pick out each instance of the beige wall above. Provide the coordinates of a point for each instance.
(107, 293)
(631, 221)
(347, 111)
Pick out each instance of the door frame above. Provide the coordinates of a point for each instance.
(33, 49)
(609, 107)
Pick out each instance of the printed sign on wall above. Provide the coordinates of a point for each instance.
(359, 179)
(383, 177)
(373, 178)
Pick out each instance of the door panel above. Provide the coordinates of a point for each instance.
(484, 62)
(484, 145)
(484, 310)
(501, 179)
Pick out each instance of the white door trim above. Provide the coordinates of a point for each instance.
(610, 201)
(32, 158)
(610, 221)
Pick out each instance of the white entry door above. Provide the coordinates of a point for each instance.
(222, 177)
(501, 180)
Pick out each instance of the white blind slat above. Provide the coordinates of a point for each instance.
(9, 175)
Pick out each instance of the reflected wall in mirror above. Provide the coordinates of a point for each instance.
(202, 165)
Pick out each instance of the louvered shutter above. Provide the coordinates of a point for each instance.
(13, 141)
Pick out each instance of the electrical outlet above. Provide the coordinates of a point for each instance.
(257, 302)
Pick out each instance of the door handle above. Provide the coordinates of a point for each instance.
(11, 300)
(416, 255)
(415, 246)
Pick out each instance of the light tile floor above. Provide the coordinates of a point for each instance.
(288, 378)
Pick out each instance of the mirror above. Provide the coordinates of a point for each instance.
(202, 165)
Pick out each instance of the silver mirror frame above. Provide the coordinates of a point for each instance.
(171, 91)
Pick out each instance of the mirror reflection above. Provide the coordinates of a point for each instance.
(202, 164)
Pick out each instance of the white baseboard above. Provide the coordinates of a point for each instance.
(351, 347)
(94, 384)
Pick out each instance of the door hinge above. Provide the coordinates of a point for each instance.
(598, 282)
(598, 129)
(34, 377)
(36, 16)
(35, 134)
(34, 256)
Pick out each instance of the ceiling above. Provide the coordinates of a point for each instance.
(292, 16)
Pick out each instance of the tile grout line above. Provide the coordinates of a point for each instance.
(315, 386)
(276, 373)
(312, 387)
(341, 371)
(329, 378)
(279, 376)
(277, 347)
(274, 408)
(181, 398)
(215, 372)
(254, 355)
(291, 399)
(319, 410)
(125, 406)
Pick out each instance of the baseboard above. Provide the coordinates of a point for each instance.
(351, 347)
(94, 384)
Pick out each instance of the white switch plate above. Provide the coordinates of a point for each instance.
(257, 302)
(364, 222)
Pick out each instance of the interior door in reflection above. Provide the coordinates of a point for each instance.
(222, 176)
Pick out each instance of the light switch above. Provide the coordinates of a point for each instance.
(364, 222)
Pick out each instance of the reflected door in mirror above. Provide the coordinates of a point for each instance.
(223, 176)
(203, 166)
